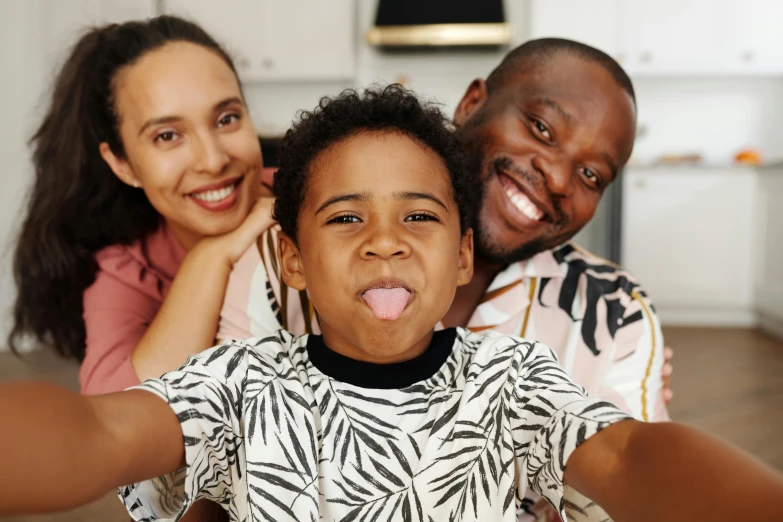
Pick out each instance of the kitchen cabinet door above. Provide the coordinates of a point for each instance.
(769, 282)
(756, 38)
(688, 234)
(235, 24)
(308, 39)
(280, 40)
(596, 23)
(677, 36)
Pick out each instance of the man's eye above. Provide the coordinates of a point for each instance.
(592, 177)
(347, 218)
(541, 128)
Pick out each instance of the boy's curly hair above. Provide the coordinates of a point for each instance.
(392, 109)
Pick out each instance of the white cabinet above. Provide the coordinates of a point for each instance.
(280, 40)
(672, 37)
(689, 235)
(675, 36)
(595, 22)
(769, 282)
(755, 40)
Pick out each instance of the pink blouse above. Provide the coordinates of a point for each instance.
(119, 306)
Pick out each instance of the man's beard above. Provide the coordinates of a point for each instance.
(485, 248)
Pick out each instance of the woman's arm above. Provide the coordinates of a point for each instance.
(62, 450)
(665, 471)
(187, 321)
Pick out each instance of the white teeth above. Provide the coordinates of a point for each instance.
(213, 196)
(523, 204)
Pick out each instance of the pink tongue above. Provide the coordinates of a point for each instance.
(387, 303)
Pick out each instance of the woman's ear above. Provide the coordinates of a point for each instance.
(119, 166)
(471, 101)
(465, 266)
(291, 263)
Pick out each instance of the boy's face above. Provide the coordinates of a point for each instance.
(380, 248)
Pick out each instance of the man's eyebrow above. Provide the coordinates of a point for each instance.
(420, 195)
(356, 196)
(552, 104)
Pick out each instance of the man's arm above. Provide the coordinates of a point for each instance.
(62, 450)
(664, 471)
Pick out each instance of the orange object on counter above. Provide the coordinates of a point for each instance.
(748, 157)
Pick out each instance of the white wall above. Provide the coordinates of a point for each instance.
(20, 93)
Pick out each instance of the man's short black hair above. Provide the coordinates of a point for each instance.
(532, 53)
(390, 109)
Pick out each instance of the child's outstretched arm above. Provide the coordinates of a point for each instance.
(638, 472)
(61, 450)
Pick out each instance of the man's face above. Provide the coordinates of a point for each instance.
(546, 144)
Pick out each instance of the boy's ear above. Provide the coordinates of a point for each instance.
(465, 270)
(471, 101)
(290, 263)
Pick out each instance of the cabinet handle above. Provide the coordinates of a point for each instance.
(640, 184)
(243, 63)
(748, 56)
(268, 63)
(645, 57)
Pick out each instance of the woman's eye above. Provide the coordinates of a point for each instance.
(345, 219)
(421, 217)
(166, 136)
(592, 178)
(542, 129)
(228, 119)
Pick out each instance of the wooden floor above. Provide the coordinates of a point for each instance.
(728, 382)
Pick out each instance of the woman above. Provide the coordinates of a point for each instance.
(147, 165)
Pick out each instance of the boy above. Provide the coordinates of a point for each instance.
(379, 418)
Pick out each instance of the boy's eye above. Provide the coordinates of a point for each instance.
(346, 218)
(166, 136)
(421, 216)
(228, 119)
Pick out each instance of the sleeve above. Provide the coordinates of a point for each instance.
(552, 417)
(634, 381)
(206, 394)
(116, 315)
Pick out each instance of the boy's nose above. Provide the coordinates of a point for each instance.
(385, 243)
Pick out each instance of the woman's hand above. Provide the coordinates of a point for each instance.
(235, 243)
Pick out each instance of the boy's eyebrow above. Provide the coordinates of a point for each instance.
(419, 195)
(366, 196)
(358, 196)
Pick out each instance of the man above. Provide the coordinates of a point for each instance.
(546, 133)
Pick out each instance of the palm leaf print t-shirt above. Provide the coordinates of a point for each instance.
(282, 428)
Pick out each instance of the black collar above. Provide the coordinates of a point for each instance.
(382, 376)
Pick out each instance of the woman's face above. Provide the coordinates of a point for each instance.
(189, 143)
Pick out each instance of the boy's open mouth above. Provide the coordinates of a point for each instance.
(387, 298)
